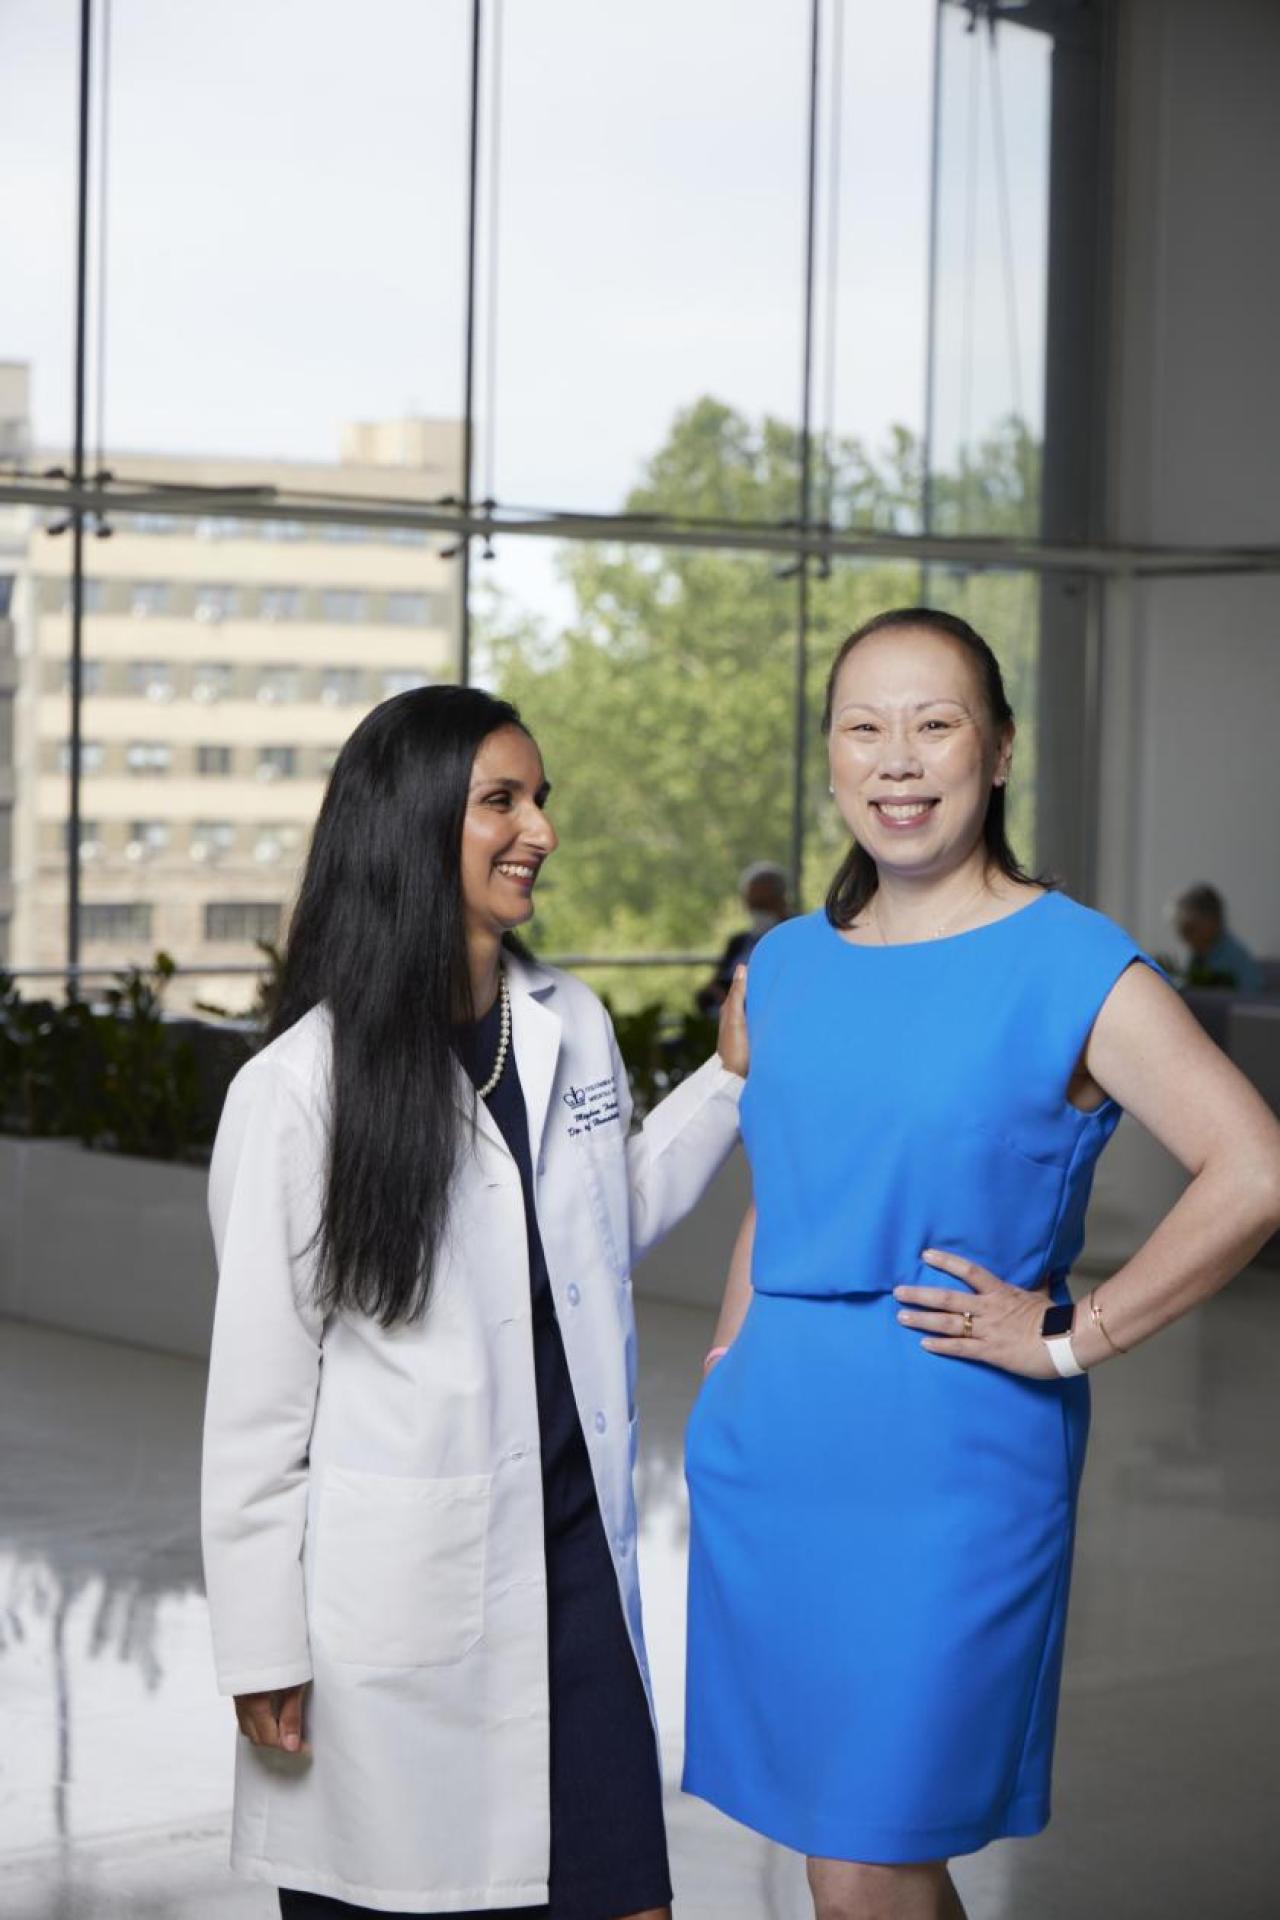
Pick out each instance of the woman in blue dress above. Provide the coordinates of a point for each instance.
(884, 1459)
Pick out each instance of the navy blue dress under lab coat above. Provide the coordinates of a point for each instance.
(608, 1840)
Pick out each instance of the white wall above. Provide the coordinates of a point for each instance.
(1190, 684)
(1191, 679)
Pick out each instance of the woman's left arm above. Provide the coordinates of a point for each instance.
(1150, 1055)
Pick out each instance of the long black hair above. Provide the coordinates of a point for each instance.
(378, 936)
(856, 879)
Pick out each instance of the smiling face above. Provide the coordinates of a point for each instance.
(506, 836)
(914, 751)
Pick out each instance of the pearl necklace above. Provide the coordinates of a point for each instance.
(940, 928)
(504, 1037)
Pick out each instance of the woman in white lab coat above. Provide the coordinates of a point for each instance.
(419, 1526)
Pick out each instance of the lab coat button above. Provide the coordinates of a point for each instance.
(623, 1546)
(601, 1423)
(574, 1294)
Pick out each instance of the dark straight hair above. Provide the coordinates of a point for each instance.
(378, 937)
(856, 879)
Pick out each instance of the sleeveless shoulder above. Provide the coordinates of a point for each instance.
(1090, 946)
(776, 953)
(1082, 955)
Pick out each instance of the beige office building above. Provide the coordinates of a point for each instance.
(226, 660)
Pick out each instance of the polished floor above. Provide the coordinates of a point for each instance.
(115, 1752)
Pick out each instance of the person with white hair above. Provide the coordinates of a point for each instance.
(763, 887)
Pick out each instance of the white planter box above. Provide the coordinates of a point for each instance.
(105, 1244)
(102, 1243)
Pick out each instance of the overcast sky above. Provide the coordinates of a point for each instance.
(286, 213)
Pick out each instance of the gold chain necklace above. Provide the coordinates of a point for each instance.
(937, 931)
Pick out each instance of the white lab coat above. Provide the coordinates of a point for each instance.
(372, 1501)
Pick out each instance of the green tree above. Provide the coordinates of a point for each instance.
(664, 708)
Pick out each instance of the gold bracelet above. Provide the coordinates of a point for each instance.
(1095, 1314)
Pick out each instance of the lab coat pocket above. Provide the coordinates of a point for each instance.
(400, 1568)
(602, 1157)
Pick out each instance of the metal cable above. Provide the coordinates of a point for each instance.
(104, 148)
(836, 116)
(969, 284)
(492, 278)
(1006, 223)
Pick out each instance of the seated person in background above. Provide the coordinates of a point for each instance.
(1217, 958)
(763, 887)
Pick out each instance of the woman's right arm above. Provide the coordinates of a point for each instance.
(737, 1291)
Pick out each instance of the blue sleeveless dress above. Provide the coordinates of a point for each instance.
(881, 1537)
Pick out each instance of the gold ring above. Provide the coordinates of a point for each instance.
(968, 1323)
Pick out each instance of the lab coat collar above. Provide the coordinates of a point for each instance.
(535, 1039)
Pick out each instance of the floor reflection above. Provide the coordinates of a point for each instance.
(115, 1750)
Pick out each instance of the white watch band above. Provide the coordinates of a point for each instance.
(1063, 1356)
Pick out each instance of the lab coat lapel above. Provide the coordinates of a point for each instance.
(535, 1036)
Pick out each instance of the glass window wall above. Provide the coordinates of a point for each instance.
(638, 331)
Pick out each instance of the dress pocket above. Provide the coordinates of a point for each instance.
(995, 1204)
(400, 1568)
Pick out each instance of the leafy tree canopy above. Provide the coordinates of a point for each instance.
(665, 706)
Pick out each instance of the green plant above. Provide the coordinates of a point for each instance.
(148, 1085)
(268, 991)
(48, 1063)
(660, 1049)
(114, 1075)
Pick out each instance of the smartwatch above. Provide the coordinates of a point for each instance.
(1055, 1331)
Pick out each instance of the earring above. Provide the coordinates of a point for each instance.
(830, 789)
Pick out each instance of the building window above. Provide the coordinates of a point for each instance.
(95, 596)
(210, 839)
(148, 756)
(147, 837)
(153, 679)
(6, 594)
(151, 596)
(241, 920)
(115, 921)
(284, 530)
(210, 680)
(153, 523)
(409, 609)
(279, 684)
(272, 843)
(90, 838)
(90, 676)
(340, 686)
(213, 760)
(277, 763)
(344, 604)
(402, 680)
(220, 526)
(92, 756)
(280, 603)
(328, 760)
(217, 602)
